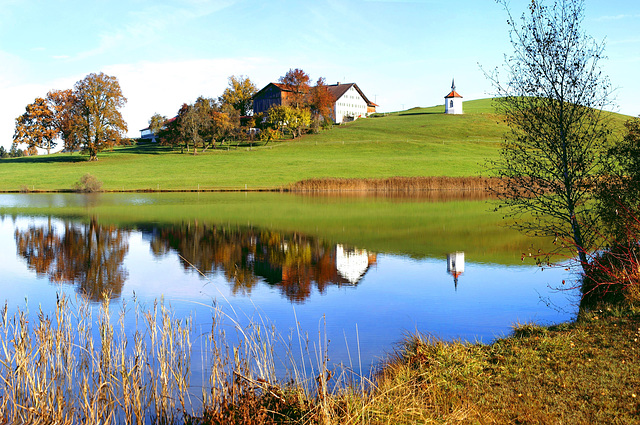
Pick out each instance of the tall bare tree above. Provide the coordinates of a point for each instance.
(553, 101)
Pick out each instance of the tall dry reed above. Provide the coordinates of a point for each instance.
(396, 184)
(62, 370)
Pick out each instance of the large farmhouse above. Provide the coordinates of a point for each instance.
(349, 102)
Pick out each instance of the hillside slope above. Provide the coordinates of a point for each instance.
(416, 142)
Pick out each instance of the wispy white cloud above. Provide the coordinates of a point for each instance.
(144, 27)
(616, 17)
(403, 1)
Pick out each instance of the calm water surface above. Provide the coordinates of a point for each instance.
(282, 259)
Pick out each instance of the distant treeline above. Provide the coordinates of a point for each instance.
(14, 152)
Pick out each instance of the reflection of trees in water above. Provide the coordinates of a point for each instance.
(293, 262)
(87, 255)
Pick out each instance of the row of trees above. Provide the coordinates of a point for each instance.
(13, 152)
(85, 118)
(209, 122)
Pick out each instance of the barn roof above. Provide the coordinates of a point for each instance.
(336, 91)
(281, 87)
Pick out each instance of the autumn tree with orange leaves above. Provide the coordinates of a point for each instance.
(296, 82)
(320, 102)
(86, 118)
(62, 103)
(36, 127)
(98, 122)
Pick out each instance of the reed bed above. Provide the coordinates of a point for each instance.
(396, 184)
(402, 197)
(79, 366)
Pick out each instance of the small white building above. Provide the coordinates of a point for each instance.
(350, 103)
(352, 264)
(453, 101)
(455, 265)
(147, 134)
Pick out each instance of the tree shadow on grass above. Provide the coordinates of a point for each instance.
(402, 114)
(147, 148)
(46, 159)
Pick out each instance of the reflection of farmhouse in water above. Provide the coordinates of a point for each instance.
(91, 256)
(455, 265)
(353, 264)
(291, 262)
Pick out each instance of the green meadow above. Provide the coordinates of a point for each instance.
(416, 142)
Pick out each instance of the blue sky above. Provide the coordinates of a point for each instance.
(402, 53)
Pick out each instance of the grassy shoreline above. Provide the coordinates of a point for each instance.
(416, 185)
(581, 372)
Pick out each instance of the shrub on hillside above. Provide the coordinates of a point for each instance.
(87, 184)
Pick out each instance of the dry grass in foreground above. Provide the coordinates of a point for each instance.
(62, 370)
(396, 184)
(78, 367)
(587, 372)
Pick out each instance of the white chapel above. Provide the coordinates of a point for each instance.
(453, 101)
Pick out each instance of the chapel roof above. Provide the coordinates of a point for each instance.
(453, 93)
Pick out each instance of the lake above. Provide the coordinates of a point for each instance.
(360, 271)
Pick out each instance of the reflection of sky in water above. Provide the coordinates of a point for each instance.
(56, 200)
(397, 295)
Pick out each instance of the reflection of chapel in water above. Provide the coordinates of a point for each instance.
(455, 265)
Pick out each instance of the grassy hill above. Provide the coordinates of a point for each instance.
(416, 142)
